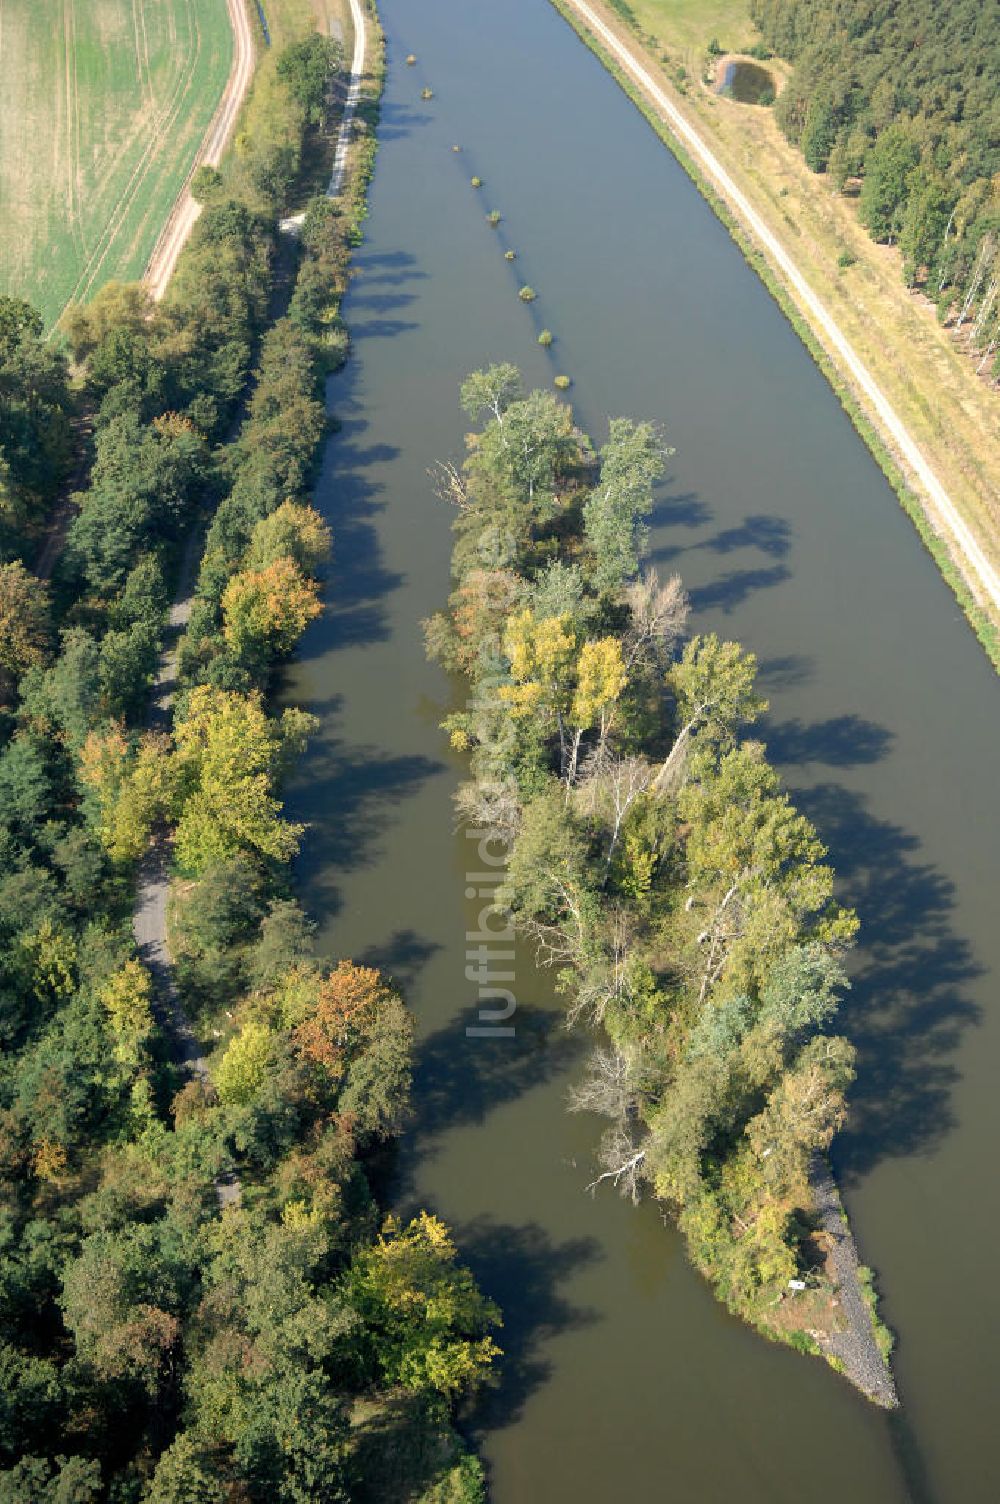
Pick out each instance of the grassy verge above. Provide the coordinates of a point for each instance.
(913, 404)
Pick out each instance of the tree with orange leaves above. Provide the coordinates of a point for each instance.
(346, 1006)
(357, 1030)
(267, 610)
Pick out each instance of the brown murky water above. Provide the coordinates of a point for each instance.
(624, 1379)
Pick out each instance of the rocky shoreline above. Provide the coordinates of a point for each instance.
(855, 1348)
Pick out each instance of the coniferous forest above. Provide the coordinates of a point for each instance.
(901, 104)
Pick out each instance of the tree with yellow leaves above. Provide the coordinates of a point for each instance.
(229, 755)
(136, 786)
(293, 532)
(600, 679)
(51, 954)
(243, 1068)
(542, 656)
(265, 611)
(127, 998)
(558, 681)
(425, 1322)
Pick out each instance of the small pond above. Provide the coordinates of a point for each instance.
(747, 83)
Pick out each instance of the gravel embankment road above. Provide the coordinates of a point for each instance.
(979, 573)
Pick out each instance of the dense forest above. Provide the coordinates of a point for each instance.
(901, 103)
(683, 903)
(199, 1297)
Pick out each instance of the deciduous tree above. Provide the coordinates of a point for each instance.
(266, 610)
(425, 1323)
(25, 628)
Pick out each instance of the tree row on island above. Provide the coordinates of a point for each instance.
(685, 906)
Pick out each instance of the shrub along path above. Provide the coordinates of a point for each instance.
(292, 223)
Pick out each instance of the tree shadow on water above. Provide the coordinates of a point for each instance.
(380, 328)
(679, 509)
(402, 957)
(347, 801)
(396, 121)
(731, 590)
(675, 509)
(349, 495)
(909, 1457)
(525, 1271)
(909, 1003)
(771, 535)
(392, 268)
(457, 1082)
(363, 295)
(843, 741)
(460, 1080)
(788, 672)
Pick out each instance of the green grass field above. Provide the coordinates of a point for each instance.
(103, 104)
(689, 25)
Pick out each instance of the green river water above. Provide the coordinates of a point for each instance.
(624, 1379)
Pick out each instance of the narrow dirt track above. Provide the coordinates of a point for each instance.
(980, 575)
(351, 104)
(149, 912)
(185, 211)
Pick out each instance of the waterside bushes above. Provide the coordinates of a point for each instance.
(199, 1298)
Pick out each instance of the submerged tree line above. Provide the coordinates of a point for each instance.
(654, 860)
(292, 1345)
(902, 99)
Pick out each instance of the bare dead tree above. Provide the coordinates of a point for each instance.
(658, 616)
(984, 311)
(624, 1162)
(569, 752)
(605, 979)
(564, 940)
(605, 1089)
(610, 788)
(489, 805)
(989, 350)
(976, 279)
(671, 769)
(941, 254)
(725, 926)
(449, 485)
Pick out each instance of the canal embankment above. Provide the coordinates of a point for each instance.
(961, 535)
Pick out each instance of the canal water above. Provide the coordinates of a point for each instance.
(623, 1378)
